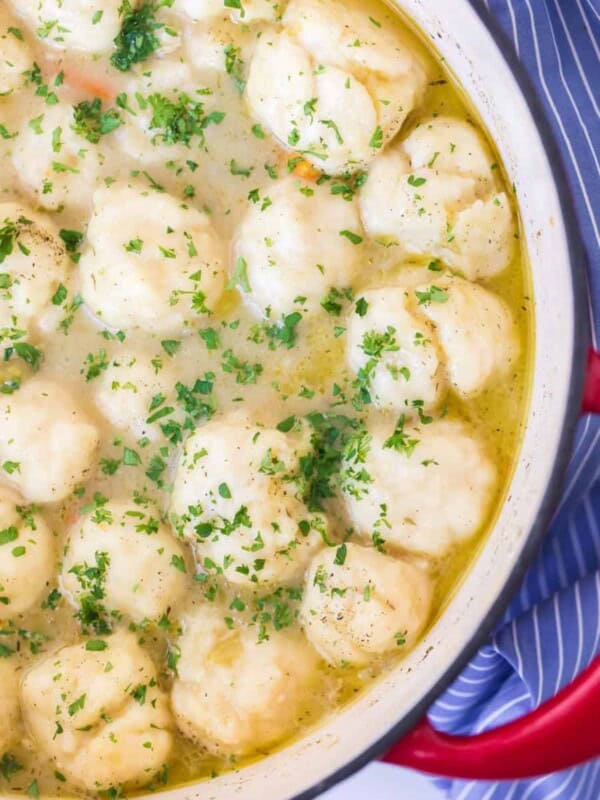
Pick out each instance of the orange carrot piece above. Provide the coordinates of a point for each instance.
(307, 171)
(88, 84)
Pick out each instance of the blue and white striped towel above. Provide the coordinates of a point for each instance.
(552, 629)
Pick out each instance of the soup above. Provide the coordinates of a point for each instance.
(265, 329)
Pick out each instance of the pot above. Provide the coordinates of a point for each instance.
(391, 708)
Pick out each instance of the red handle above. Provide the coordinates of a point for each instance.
(591, 394)
(561, 733)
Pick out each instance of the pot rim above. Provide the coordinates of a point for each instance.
(581, 338)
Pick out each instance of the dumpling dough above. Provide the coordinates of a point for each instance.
(231, 500)
(435, 195)
(34, 269)
(294, 248)
(394, 349)
(323, 96)
(234, 695)
(144, 575)
(99, 713)
(71, 24)
(9, 705)
(125, 391)
(166, 77)
(250, 11)
(56, 167)
(205, 45)
(428, 496)
(476, 331)
(383, 604)
(151, 262)
(47, 433)
(15, 57)
(26, 556)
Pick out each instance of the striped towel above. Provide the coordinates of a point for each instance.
(552, 630)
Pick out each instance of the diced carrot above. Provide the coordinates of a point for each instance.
(88, 84)
(307, 171)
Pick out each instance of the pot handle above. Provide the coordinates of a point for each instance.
(561, 733)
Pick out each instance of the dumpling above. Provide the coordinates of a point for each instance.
(56, 166)
(151, 262)
(359, 604)
(125, 390)
(299, 247)
(15, 56)
(9, 704)
(450, 146)
(49, 436)
(393, 351)
(142, 565)
(321, 95)
(33, 269)
(248, 11)
(97, 711)
(72, 24)
(141, 136)
(435, 195)
(234, 695)
(27, 556)
(432, 487)
(476, 331)
(234, 500)
(206, 45)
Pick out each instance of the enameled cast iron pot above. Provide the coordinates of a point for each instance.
(565, 731)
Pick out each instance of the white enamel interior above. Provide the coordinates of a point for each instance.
(474, 57)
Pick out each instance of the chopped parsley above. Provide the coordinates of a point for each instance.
(244, 371)
(94, 365)
(9, 766)
(96, 645)
(284, 333)
(333, 302)
(131, 458)
(234, 66)
(237, 169)
(338, 445)
(329, 123)
(92, 614)
(72, 239)
(432, 295)
(340, 555)
(348, 185)
(137, 39)
(377, 138)
(400, 440)
(9, 236)
(374, 345)
(26, 352)
(170, 346)
(361, 307)
(352, 237)
(240, 276)
(92, 123)
(210, 337)
(179, 121)
(60, 295)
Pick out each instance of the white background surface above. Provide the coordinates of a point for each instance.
(383, 782)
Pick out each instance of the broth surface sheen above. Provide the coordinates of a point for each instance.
(265, 330)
